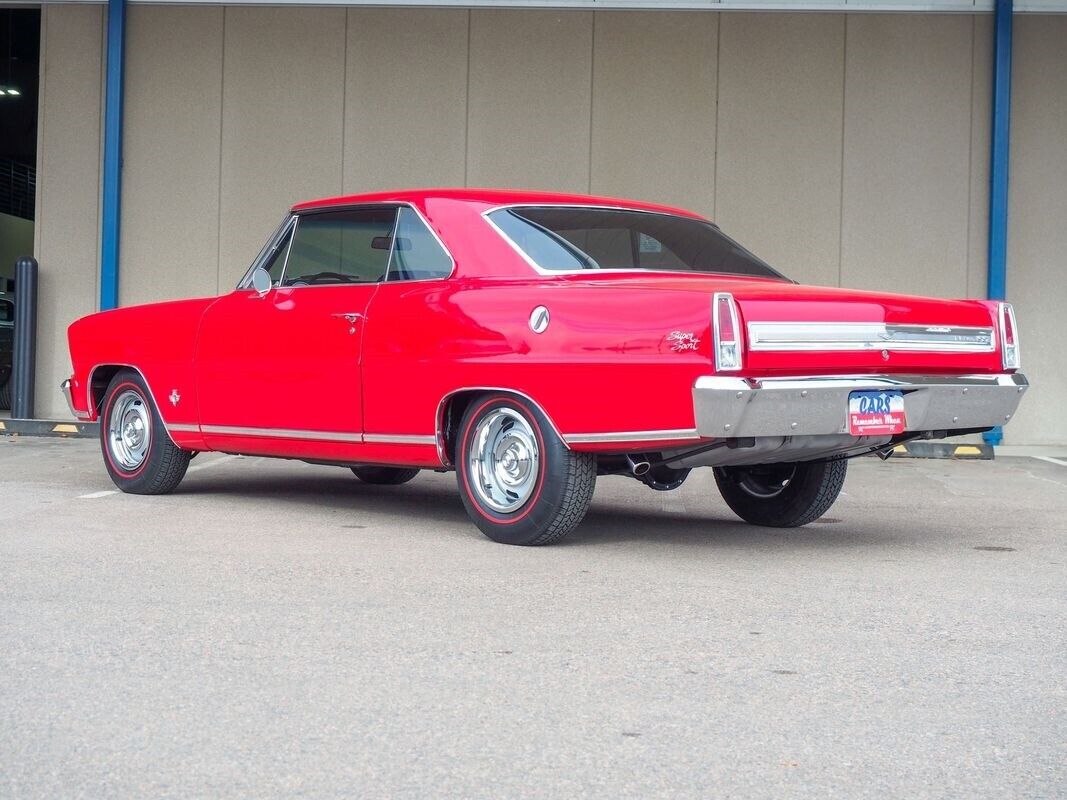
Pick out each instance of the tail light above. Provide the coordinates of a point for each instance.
(727, 333)
(1009, 337)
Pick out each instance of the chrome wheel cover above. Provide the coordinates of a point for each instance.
(129, 430)
(503, 460)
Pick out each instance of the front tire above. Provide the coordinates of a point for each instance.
(384, 476)
(782, 495)
(518, 481)
(138, 452)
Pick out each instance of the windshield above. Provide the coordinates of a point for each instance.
(559, 238)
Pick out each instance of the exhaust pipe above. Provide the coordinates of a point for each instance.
(638, 468)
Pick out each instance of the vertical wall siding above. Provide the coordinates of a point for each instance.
(848, 149)
(653, 107)
(1037, 238)
(781, 79)
(67, 230)
(171, 150)
(406, 98)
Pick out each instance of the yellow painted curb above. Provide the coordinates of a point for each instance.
(65, 429)
(967, 450)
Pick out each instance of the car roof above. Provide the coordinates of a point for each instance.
(491, 197)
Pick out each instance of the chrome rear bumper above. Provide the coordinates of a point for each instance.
(729, 407)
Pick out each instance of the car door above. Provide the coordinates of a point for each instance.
(279, 373)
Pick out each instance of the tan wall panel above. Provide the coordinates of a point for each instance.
(530, 82)
(654, 107)
(406, 98)
(778, 181)
(1037, 239)
(907, 161)
(981, 132)
(68, 188)
(170, 177)
(282, 119)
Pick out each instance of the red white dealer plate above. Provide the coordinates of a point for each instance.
(875, 413)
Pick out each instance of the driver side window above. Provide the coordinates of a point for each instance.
(340, 247)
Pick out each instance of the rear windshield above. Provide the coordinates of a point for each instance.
(566, 239)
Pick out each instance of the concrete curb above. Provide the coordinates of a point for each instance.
(49, 427)
(975, 452)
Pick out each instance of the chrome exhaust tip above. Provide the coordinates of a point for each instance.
(638, 468)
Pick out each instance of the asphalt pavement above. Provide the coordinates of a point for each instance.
(278, 629)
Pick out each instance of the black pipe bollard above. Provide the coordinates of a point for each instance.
(25, 355)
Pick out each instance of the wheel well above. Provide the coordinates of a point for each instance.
(100, 380)
(455, 405)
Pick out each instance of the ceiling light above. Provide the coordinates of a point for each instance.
(15, 92)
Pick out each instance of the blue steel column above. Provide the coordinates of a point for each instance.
(998, 172)
(112, 199)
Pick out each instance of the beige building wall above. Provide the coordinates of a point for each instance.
(1037, 238)
(67, 229)
(848, 149)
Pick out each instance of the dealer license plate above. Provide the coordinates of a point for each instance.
(875, 413)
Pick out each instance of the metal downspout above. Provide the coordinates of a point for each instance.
(112, 178)
(998, 173)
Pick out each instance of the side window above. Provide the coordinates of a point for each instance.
(338, 247)
(417, 255)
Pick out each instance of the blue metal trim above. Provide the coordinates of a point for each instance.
(112, 179)
(998, 172)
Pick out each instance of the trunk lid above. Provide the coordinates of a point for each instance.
(800, 330)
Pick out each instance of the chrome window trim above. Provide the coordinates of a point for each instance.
(860, 336)
(268, 248)
(616, 270)
(397, 204)
(293, 218)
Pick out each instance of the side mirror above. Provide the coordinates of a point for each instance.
(261, 281)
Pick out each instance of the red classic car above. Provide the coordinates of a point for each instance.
(532, 342)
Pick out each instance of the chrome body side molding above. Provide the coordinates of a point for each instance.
(428, 440)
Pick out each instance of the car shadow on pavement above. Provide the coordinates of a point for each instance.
(608, 520)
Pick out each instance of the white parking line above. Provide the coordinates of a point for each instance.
(94, 495)
(213, 463)
(1051, 460)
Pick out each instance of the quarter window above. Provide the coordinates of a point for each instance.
(340, 247)
(417, 255)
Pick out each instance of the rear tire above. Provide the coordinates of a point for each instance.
(5, 395)
(138, 452)
(518, 481)
(384, 476)
(782, 495)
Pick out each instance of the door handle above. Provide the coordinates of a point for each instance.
(351, 317)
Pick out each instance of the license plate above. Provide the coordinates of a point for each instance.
(875, 413)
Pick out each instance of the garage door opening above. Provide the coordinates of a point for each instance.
(20, 51)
